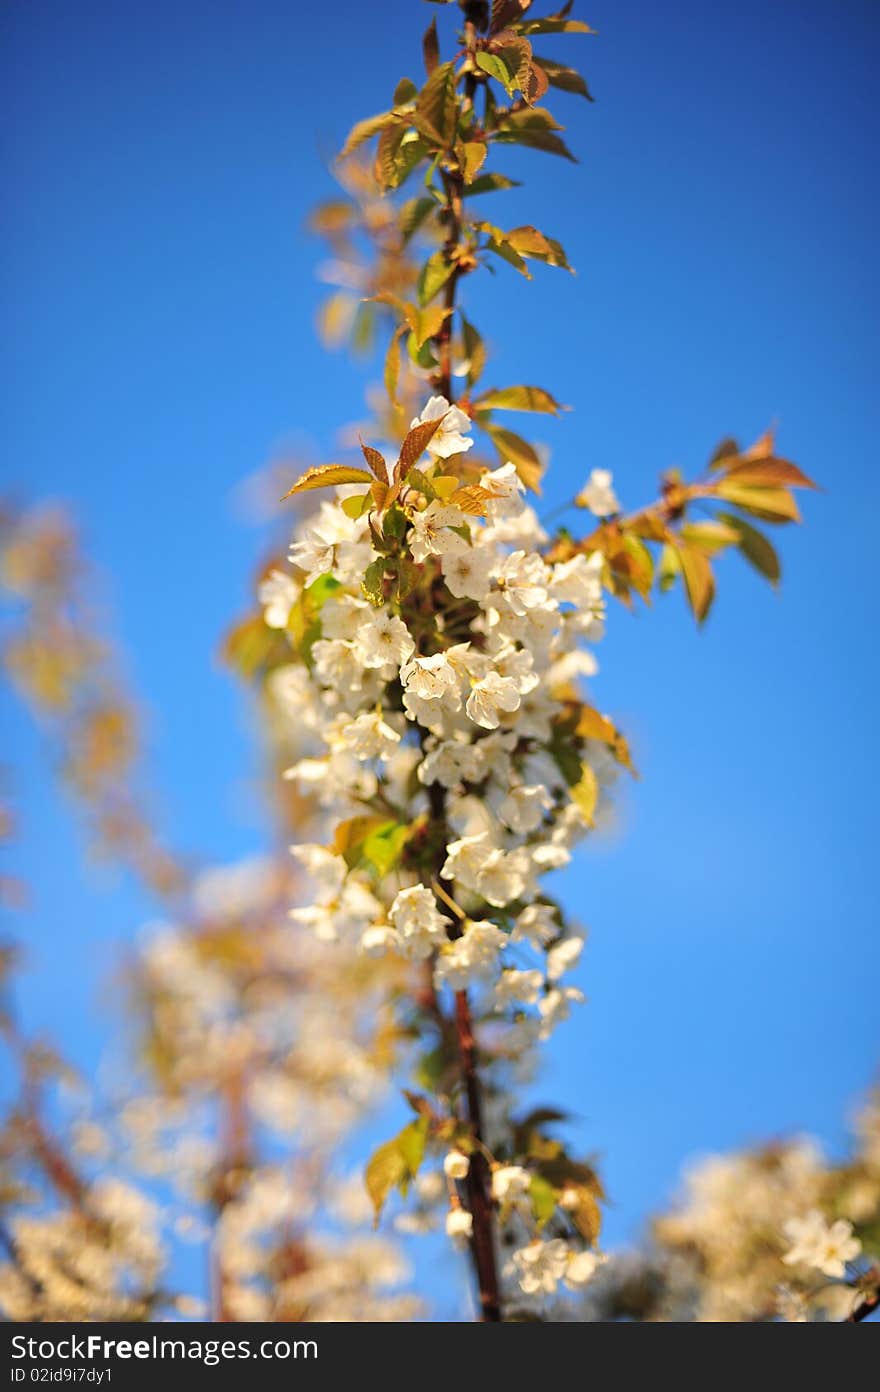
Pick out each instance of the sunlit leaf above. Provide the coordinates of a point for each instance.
(518, 399)
(770, 504)
(434, 275)
(698, 579)
(327, 476)
(755, 547)
(414, 446)
(519, 452)
(585, 793)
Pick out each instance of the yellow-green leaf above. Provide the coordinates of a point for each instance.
(520, 453)
(366, 129)
(327, 476)
(350, 835)
(518, 399)
(473, 157)
(699, 581)
(434, 275)
(757, 549)
(385, 1169)
(769, 473)
(436, 104)
(585, 793)
(770, 504)
(496, 67)
(357, 505)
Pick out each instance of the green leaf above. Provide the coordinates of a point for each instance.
(755, 547)
(396, 1162)
(436, 104)
(408, 574)
(413, 214)
(543, 1200)
(518, 399)
(373, 582)
(545, 140)
(395, 524)
(496, 67)
(434, 275)
(411, 1143)
(474, 350)
(383, 847)
(350, 836)
(566, 79)
(489, 183)
(386, 1169)
(416, 479)
(364, 130)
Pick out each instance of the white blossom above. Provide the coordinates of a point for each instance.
(456, 1164)
(472, 957)
(420, 925)
(541, 1266)
(516, 988)
(450, 437)
(536, 924)
(581, 1268)
(278, 593)
(459, 1226)
(383, 640)
(818, 1243)
(432, 533)
(490, 697)
(598, 495)
(510, 1186)
(555, 1007)
(563, 957)
(467, 573)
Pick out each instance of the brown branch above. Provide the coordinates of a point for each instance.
(869, 1302)
(478, 1178)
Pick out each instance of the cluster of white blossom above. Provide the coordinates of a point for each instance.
(779, 1233)
(258, 1043)
(97, 1256)
(437, 707)
(263, 1037)
(281, 1259)
(217, 993)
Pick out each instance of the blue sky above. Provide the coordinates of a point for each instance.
(158, 289)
